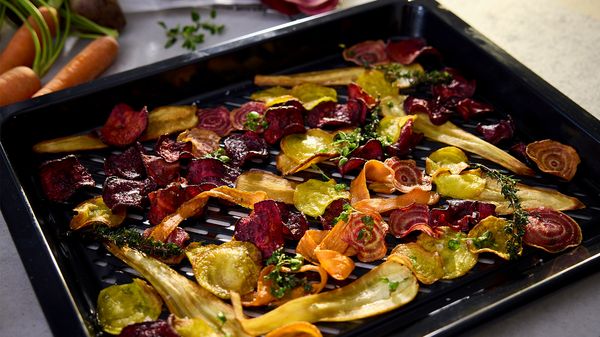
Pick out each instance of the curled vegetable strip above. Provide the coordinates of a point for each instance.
(386, 287)
(183, 297)
(451, 134)
(554, 158)
(381, 177)
(195, 205)
(94, 211)
(338, 76)
(263, 295)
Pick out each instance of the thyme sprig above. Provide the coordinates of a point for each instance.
(130, 237)
(395, 71)
(192, 34)
(283, 281)
(516, 226)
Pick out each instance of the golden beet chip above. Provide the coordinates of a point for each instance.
(276, 187)
(554, 158)
(452, 247)
(169, 119)
(122, 305)
(428, 266)
(300, 151)
(393, 106)
(313, 196)
(312, 94)
(203, 141)
(466, 185)
(490, 235)
(390, 126)
(373, 82)
(95, 211)
(449, 157)
(231, 266)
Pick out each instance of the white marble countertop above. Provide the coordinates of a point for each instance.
(557, 39)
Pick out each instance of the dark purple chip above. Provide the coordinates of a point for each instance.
(161, 171)
(61, 178)
(284, 120)
(158, 328)
(124, 125)
(459, 87)
(294, 223)
(331, 115)
(244, 147)
(461, 214)
(333, 210)
(165, 201)
(406, 51)
(127, 165)
(119, 193)
(406, 142)
(172, 150)
(438, 111)
(495, 133)
(213, 171)
(263, 227)
(520, 151)
(469, 108)
(372, 149)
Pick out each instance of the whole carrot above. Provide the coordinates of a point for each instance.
(18, 84)
(94, 59)
(20, 50)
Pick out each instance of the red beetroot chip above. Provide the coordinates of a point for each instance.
(328, 115)
(238, 116)
(551, 230)
(124, 125)
(120, 193)
(165, 201)
(461, 214)
(158, 328)
(61, 178)
(213, 171)
(438, 111)
(263, 227)
(357, 93)
(495, 133)
(372, 149)
(406, 142)
(127, 165)
(244, 147)
(161, 171)
(172, 150)
(459, 87)
(215, 119)
(405, 220)
(333, 210)
(284, 120)
(294, 223)
(406, 51)
(367, 53)
(469, 108)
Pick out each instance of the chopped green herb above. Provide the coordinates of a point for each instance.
(484, 240)
(392, 285)
(346, 142)
(284, 282)
(254, 121)
(221, 317)
(219, 155)
(395, 71)
(453, 244)
(340, 187)
(132, 238)
(347, 209)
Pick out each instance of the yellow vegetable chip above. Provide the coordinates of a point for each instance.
(451, 245)
(449, 157)
(427, 266)
(489, 235)
(313, 196)
(466, 185)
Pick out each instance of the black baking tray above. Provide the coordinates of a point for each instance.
(67, 273)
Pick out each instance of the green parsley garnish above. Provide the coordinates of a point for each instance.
(453, 244)
(192, 34)
(218, 154)
(346, 142)
(283, 282)
(516, 226)
(347, 209)
(340, 187)
(392, 285)
(255, 121)
(486, 239)
(134, 239)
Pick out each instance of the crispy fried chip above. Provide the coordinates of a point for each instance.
(94, 211)
(61, 178)
(124, 125)
(452, 247)
(428, 266)
(554, 158)
(490, 235)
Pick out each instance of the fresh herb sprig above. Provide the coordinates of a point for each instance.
(346, 142)
(134, 239)
(516, 226)
(283, 281)
(192, 34)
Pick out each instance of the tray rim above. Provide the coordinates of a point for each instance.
(564, 105)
